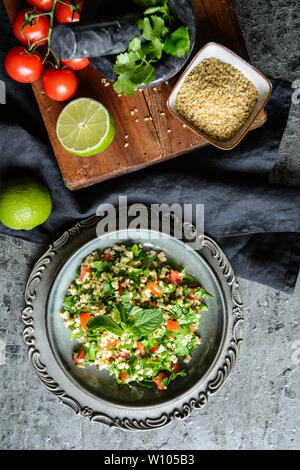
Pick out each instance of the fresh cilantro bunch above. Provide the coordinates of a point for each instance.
(136, 66)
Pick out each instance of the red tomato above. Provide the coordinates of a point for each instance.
(111, 344)
(192, 296)
(123, 376)
(172, 325)
(141, 348)
(64, 14)
(106, 257)
(120, 354)
(152, 350)
(123, 354)
(84, 318)
(176, 368)
(80, 356)
(30, 34)
(155, 289)
(60, 85)
(83, 272)
(44, 5)
(22, 66)
(121, 288)
(159, 378)
(76, 64)
(176, 277)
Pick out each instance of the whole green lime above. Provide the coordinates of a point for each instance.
(24, 203)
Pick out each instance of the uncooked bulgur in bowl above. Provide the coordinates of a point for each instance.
(219, 96)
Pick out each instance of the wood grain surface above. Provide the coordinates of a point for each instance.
(154, 135)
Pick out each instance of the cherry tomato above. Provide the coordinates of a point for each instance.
(176, 277)
(44, 5)
(84, 270)
(30, 34)
(64, 14)
(76, 64)
(84, 318)
(155, 289)
(159, 378)
(22, 66)
(60, 85)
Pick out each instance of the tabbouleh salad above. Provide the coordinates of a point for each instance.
(134, 312)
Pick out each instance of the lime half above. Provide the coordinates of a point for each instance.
(85, 127)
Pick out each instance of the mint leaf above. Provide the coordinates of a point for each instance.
(178, 43)
(104, 322)
(145, 321)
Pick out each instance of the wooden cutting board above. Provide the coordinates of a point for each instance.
(146, 133)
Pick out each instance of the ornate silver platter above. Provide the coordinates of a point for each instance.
(94, 394)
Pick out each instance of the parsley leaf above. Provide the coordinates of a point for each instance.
(178, 43)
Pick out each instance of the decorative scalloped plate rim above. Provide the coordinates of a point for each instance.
(83, 405)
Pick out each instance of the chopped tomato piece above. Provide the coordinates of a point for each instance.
(141, 348)
(159, 378)
(193, 328)
(155, 289)
(120, 354)
(123, 376)
(173, 325)
(110, 359)
(123, 354)
(80, 356)
(106, 257)
(121, 288)
(176, 368)
(84, 318)
(192, 296)
(83, 273)
(176, 277)
(152, 350)
(111, 344)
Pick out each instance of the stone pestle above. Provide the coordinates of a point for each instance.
(108, 37)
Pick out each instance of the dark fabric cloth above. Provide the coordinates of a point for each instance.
(257, 224)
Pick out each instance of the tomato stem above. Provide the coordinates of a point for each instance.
(31, 16)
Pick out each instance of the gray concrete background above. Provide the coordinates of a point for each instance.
(258, 407)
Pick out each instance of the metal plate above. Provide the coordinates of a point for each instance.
(96, 395)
